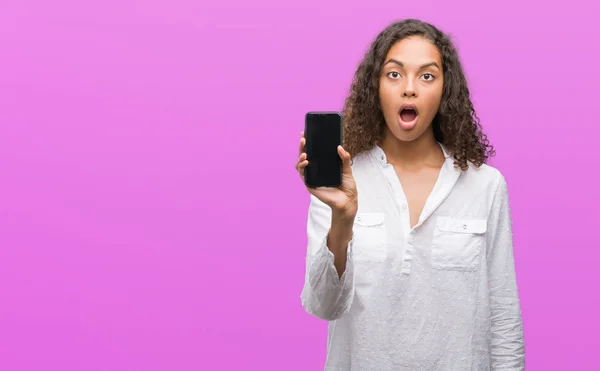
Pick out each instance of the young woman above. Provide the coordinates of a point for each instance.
(411, 258)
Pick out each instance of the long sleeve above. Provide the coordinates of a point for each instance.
(325, 295)
(507, 343)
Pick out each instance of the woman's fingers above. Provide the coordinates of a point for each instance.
(302, 143)
(301, 164)
(345, 156)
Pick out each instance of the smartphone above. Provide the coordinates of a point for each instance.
(323, 134)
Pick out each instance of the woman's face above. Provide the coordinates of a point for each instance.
(410, 88)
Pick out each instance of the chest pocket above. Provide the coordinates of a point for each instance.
(457, 243)
(370, 237)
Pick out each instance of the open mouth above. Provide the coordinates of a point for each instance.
(408, 116)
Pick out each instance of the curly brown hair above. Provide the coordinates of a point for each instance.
(455, 125)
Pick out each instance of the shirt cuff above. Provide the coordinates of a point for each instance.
(324, 254)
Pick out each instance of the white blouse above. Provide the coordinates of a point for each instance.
(440, 296)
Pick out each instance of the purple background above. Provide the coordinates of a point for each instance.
(150, 215)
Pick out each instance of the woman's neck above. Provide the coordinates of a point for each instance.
(421, 152)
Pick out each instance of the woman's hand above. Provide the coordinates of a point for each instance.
(343, 200)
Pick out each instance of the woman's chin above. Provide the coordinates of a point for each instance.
(408, 126)
(406, 135)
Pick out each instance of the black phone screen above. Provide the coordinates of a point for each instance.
(323, 133)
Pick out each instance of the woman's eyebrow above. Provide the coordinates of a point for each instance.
(430, 64)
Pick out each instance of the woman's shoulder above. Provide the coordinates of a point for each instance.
(485, 176)
(364, 158)
(484, 170)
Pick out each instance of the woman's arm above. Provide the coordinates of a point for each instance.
(329, 282)
(508, 350)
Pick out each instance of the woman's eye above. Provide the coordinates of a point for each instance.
(394, 75)
(430, 77)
